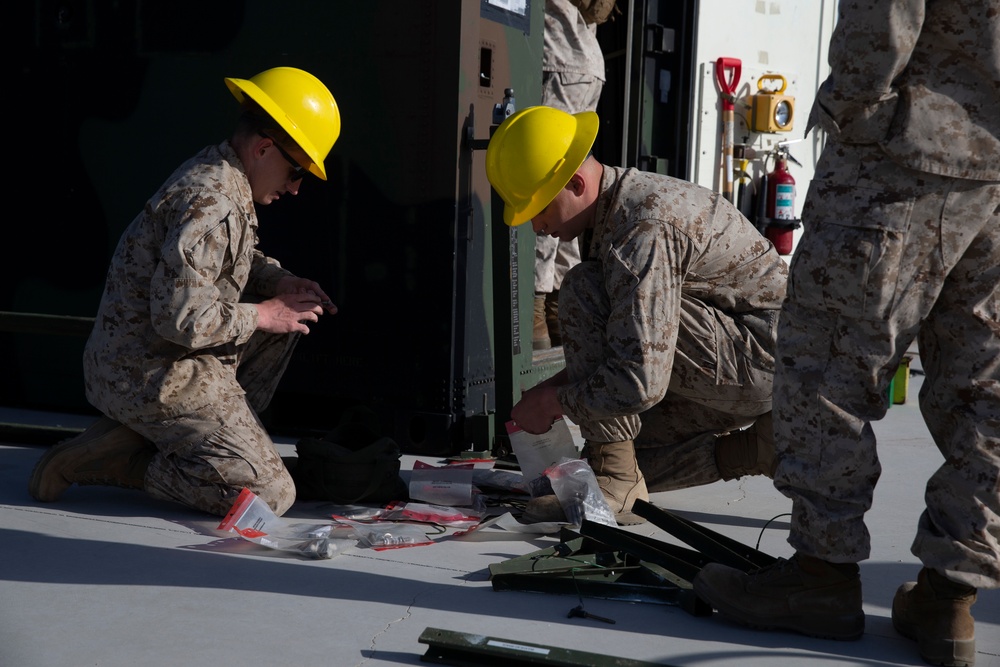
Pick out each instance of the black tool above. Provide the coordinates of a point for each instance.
(579, 612)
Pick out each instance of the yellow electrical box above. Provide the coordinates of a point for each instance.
(770, 110)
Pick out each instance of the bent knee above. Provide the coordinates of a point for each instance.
(273, 485)
(278, 494)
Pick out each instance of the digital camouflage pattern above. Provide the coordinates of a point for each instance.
(174, 353)
(572, 79)
(901, 242)
(570, 45)
(919, 78)
(672, 314)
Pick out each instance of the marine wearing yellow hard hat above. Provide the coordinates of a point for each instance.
(300, 104)
(533, 155)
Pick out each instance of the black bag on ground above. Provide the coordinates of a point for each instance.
(350, 464)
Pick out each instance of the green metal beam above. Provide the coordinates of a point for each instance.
(448, 647)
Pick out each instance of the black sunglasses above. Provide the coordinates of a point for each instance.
(298, 171)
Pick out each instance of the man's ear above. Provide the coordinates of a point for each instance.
(577, 184)
(261, 145)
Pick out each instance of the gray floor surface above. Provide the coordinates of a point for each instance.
(110, 577)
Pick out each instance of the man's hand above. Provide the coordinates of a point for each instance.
(296, 285)
(537, 409)
(288, 313)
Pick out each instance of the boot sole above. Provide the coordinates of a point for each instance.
(629, 519)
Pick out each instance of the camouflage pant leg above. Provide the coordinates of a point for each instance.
(870, 271)
(714, 387)
(553, 258)
(262, 363)
(571, 93)
(959, 531)
(206, 458)
(676, 446)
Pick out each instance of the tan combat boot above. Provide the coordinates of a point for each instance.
(937, 613)
(552, 317)
(747, 452)
(107, 453)
(802, 594)
(540, 332)
(618, 477)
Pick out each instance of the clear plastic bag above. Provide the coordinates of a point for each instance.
(252, 519)
(382, 535)
(449, 485)
(440, 515)
(575, 486)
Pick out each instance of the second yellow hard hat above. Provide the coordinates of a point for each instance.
(533, 155)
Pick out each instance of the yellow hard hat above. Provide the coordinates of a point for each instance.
(532, 156)
(300, 104)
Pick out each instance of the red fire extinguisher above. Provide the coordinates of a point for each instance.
(780, 209)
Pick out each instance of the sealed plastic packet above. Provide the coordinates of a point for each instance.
(440, 515)
(449, 485)
(252, 519)
(382, 535)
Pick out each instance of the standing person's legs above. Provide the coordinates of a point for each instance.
(868, 272)
(553, 258)
(566, 257)
(959, 532)
(861, 318)
(571, 92)
(958, 535)
(837, 351)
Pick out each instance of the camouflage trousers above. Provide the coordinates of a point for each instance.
(889, 255)
(572, 93)
(714, 387)
(553, 258)
(205, 458)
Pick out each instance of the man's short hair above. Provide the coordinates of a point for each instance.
(253, 120)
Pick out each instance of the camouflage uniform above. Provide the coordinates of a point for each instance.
(672, 314)
(902, 240)
(572, 79)
(175, 354)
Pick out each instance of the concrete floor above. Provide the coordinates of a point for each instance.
(111, 577)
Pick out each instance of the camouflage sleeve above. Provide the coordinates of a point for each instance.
(869, 48)
(642, 278)
(196, 288)
(265, 272)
